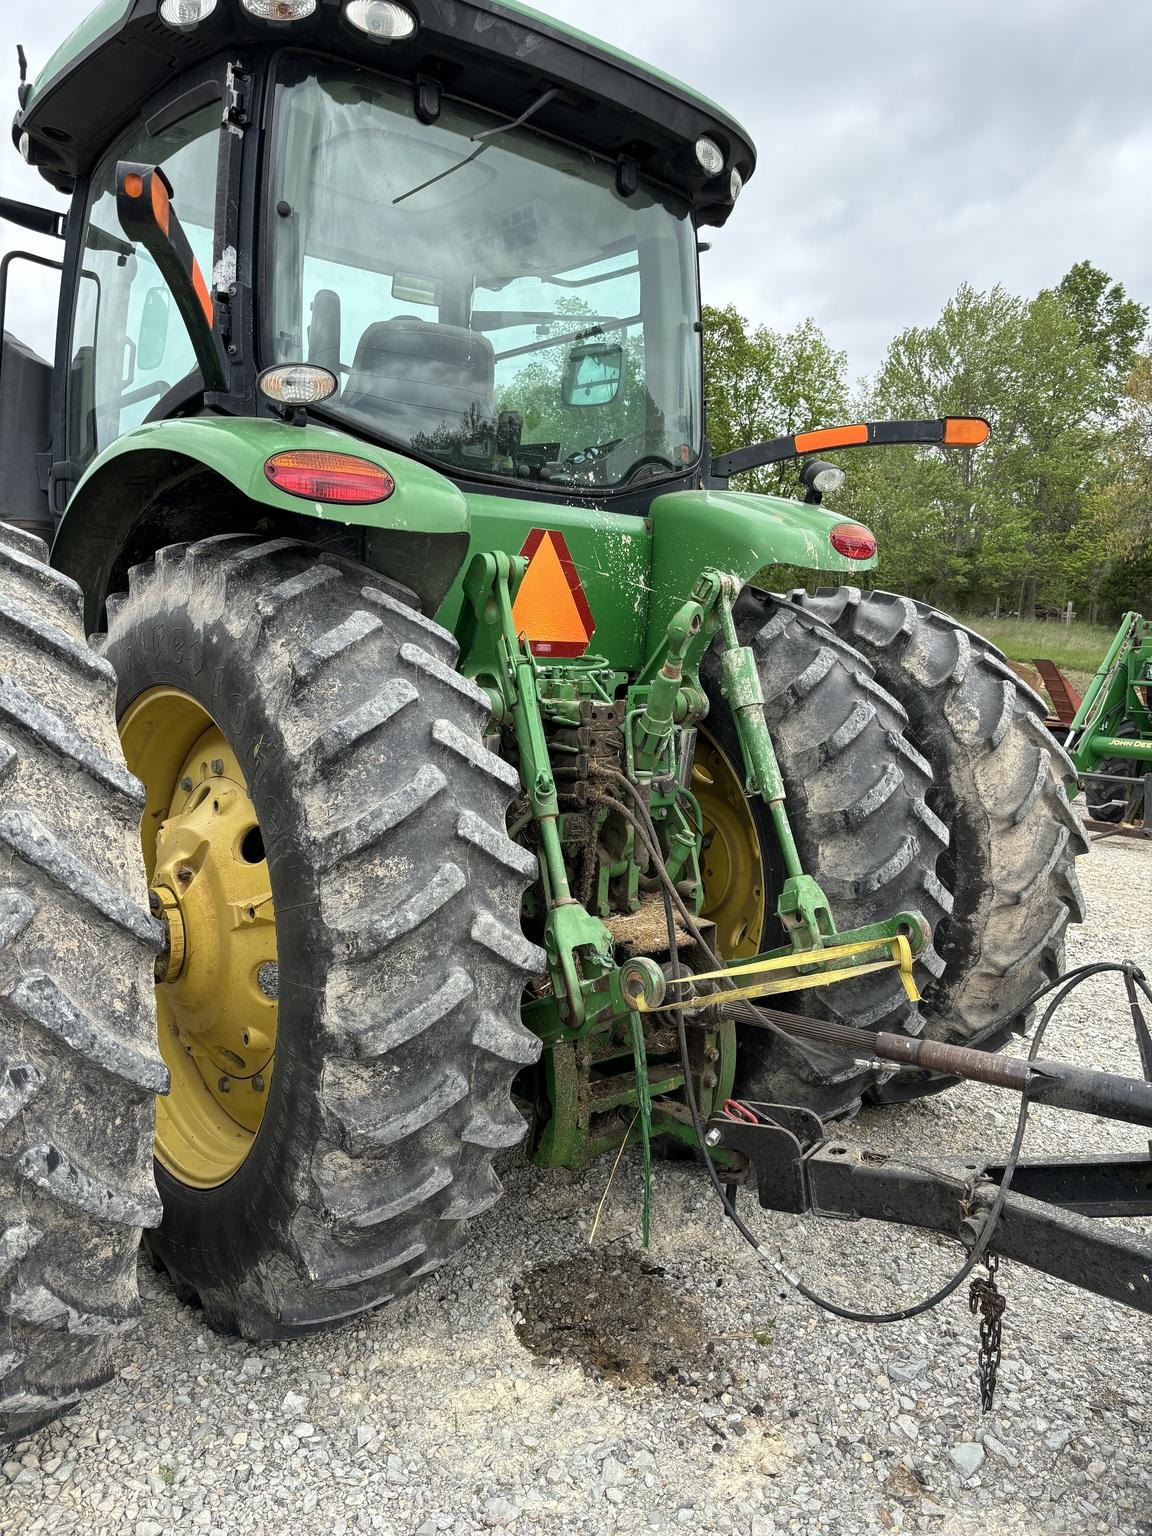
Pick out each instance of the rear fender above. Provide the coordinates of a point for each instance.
(169, 481)
(731, 531)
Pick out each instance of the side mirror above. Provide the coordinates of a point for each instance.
(153, 330)
(147, 217)
(593, 374)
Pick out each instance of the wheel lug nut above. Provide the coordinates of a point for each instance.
(257, 1084)
(186, 784)
(153, 901)
(218, 766)
(225, 1085)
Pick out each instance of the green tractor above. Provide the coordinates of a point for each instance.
(1110, 738)
(433, 776)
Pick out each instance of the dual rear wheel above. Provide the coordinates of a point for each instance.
(920, 777)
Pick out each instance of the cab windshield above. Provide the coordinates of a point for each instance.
(506, 312)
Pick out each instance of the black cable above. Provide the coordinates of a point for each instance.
(1062, 986)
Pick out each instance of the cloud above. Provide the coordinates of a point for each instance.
(906, 146)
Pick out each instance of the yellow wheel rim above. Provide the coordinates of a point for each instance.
(732, 863)
(217, 985)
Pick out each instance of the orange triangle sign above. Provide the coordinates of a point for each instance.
(551, 610)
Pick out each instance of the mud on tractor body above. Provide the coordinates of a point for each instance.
(464, 787)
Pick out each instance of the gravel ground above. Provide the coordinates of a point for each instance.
(488, 1402)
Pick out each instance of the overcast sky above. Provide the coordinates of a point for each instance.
(906, 146)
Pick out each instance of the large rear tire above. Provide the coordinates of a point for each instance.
(365, 1110)
(79, 1069)
(857, 802)
(1001, 787)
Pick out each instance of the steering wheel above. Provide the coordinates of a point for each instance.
(650, 458)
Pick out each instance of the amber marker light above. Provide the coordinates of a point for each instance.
(965, 431)
(832, 437)
(333, 477)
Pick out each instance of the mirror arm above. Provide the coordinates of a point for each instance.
(144, 206)
(948, 432)
(41, 221)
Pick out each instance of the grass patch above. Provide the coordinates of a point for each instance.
(1075, 648)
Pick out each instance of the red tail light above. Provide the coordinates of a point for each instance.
(853, 541)
(338, 477)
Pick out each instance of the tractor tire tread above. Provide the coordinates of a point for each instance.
(1002, 787)
(417, 962)
(856, 800)
(79, 1068)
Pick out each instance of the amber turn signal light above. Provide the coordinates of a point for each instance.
(965, 431)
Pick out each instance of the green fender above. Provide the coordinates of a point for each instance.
(420, 534)
(732, 531)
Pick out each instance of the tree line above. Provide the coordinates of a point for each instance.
(1055, 509)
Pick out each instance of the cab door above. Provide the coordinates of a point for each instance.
(29, 300)
(128, 356)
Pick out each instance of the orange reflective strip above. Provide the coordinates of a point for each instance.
(201, 288)
(134, 185)
(161, 207)
(965, 431)
(831, 437)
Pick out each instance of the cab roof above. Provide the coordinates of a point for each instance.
(498, 53)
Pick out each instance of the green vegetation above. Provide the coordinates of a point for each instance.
(1057, 508)
(1076, 648)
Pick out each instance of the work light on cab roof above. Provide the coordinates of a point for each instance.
(502, 57)
(280, 10)
(185, 14)
(382, 20)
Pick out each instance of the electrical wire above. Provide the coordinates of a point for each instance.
(1062, 987)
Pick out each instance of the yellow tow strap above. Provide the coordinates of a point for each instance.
(897, 950)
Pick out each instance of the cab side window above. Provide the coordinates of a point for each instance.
(129, 344)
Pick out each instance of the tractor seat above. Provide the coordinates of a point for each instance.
(422, 378)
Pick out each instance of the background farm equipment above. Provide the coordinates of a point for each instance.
(1110, 736)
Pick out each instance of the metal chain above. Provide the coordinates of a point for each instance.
(985, 1298)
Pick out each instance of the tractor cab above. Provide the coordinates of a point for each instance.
(468, 231)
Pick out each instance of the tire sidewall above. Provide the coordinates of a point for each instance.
(226, 1231)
